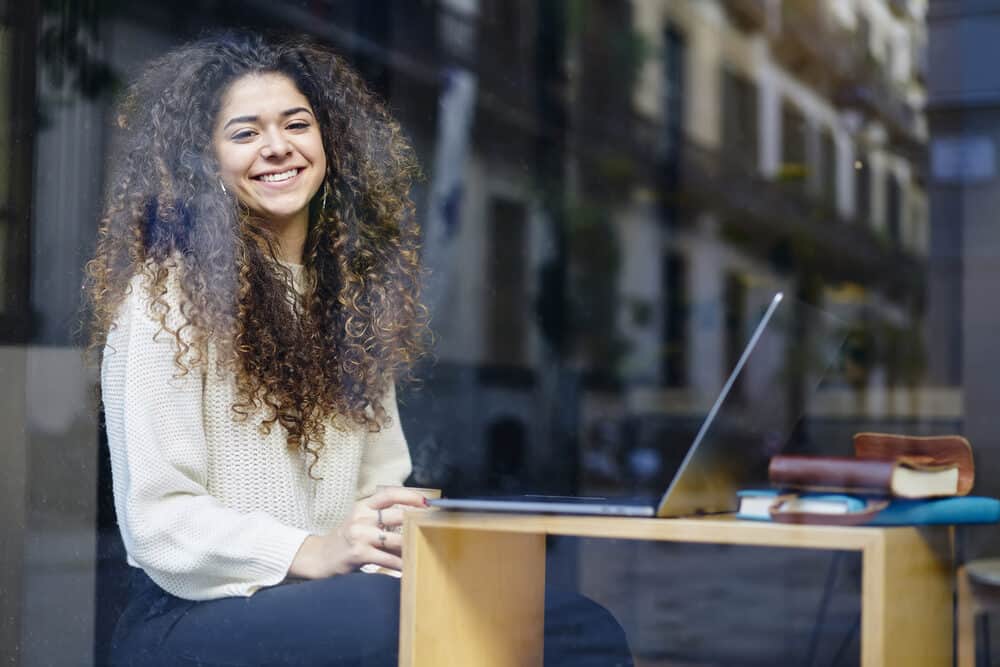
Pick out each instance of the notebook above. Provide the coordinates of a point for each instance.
(737, 436)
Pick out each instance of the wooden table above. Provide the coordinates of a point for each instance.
(473, 584)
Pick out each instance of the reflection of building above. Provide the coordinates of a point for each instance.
(634, 181)
(791, 145)
(714, 152)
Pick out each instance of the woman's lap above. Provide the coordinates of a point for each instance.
(351, 620)
(344, 621)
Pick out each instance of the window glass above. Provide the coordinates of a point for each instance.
(610, 195)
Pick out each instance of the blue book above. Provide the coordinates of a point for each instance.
(960, 509)
(754, 505)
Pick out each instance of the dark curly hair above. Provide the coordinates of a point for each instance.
(360, 323)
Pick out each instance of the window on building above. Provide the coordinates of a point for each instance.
(675, 320)
(17, 117)
(674, 47)
(794, 169)
(862, 188)
(828, 170)
(734, 305)
(739, 120)
(864, 34)
(893, 209)
(507, 282)
(674, 59)
(6, 174)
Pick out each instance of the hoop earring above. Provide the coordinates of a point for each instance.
(223, 186)
(326, 196)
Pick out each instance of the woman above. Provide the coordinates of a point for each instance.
(255, 293)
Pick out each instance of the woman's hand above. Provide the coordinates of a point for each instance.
(371, 534)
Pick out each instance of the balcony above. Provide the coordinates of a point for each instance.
(770, 215)
(873, 92)
(815, 48)
(748, 14)
(811, 45)
(778, 220)
(900, 8)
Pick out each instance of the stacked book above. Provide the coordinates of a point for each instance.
(891, 480)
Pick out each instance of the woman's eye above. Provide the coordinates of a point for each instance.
(298, 125)
(242, 135)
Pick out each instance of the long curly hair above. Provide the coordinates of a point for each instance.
(305, 361)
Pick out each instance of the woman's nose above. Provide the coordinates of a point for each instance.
(275, 145)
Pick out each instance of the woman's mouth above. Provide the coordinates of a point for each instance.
(279, 177)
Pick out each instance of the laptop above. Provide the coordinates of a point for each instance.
(749, 421)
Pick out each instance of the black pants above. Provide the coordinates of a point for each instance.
(350, 620)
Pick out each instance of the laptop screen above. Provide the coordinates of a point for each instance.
(759, 411)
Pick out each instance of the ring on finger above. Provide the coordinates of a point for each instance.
(381, 526)
(381, 538)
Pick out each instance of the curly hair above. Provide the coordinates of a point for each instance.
(301, 362)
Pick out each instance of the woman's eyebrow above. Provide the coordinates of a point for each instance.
(254, 119)
(295, 110)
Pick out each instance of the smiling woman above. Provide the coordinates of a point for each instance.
(255, 303)
(243, 160)
(270, 154)
(255, 295)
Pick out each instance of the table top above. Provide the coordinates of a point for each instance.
(718, 529)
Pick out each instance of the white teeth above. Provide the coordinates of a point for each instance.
(283, 176)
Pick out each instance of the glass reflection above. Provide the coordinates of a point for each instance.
(610, 191)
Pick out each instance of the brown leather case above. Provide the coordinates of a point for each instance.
(933, 450)
(832, 473)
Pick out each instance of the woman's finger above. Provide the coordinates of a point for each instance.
(392, 517)
(396, 496)
(384, 558)
(383, 539)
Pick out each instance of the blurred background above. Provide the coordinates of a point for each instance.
(614, 190)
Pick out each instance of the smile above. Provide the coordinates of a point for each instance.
(278, 178)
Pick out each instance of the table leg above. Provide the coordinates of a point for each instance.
(471, 597)
(966, 621)
(906, 599)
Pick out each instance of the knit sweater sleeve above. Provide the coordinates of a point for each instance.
(188, 542)
(386, 457)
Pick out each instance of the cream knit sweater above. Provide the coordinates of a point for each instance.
(207, 505)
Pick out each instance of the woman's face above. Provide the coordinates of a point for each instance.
(268, 145)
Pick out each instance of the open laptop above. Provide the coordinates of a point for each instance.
(737, 437)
